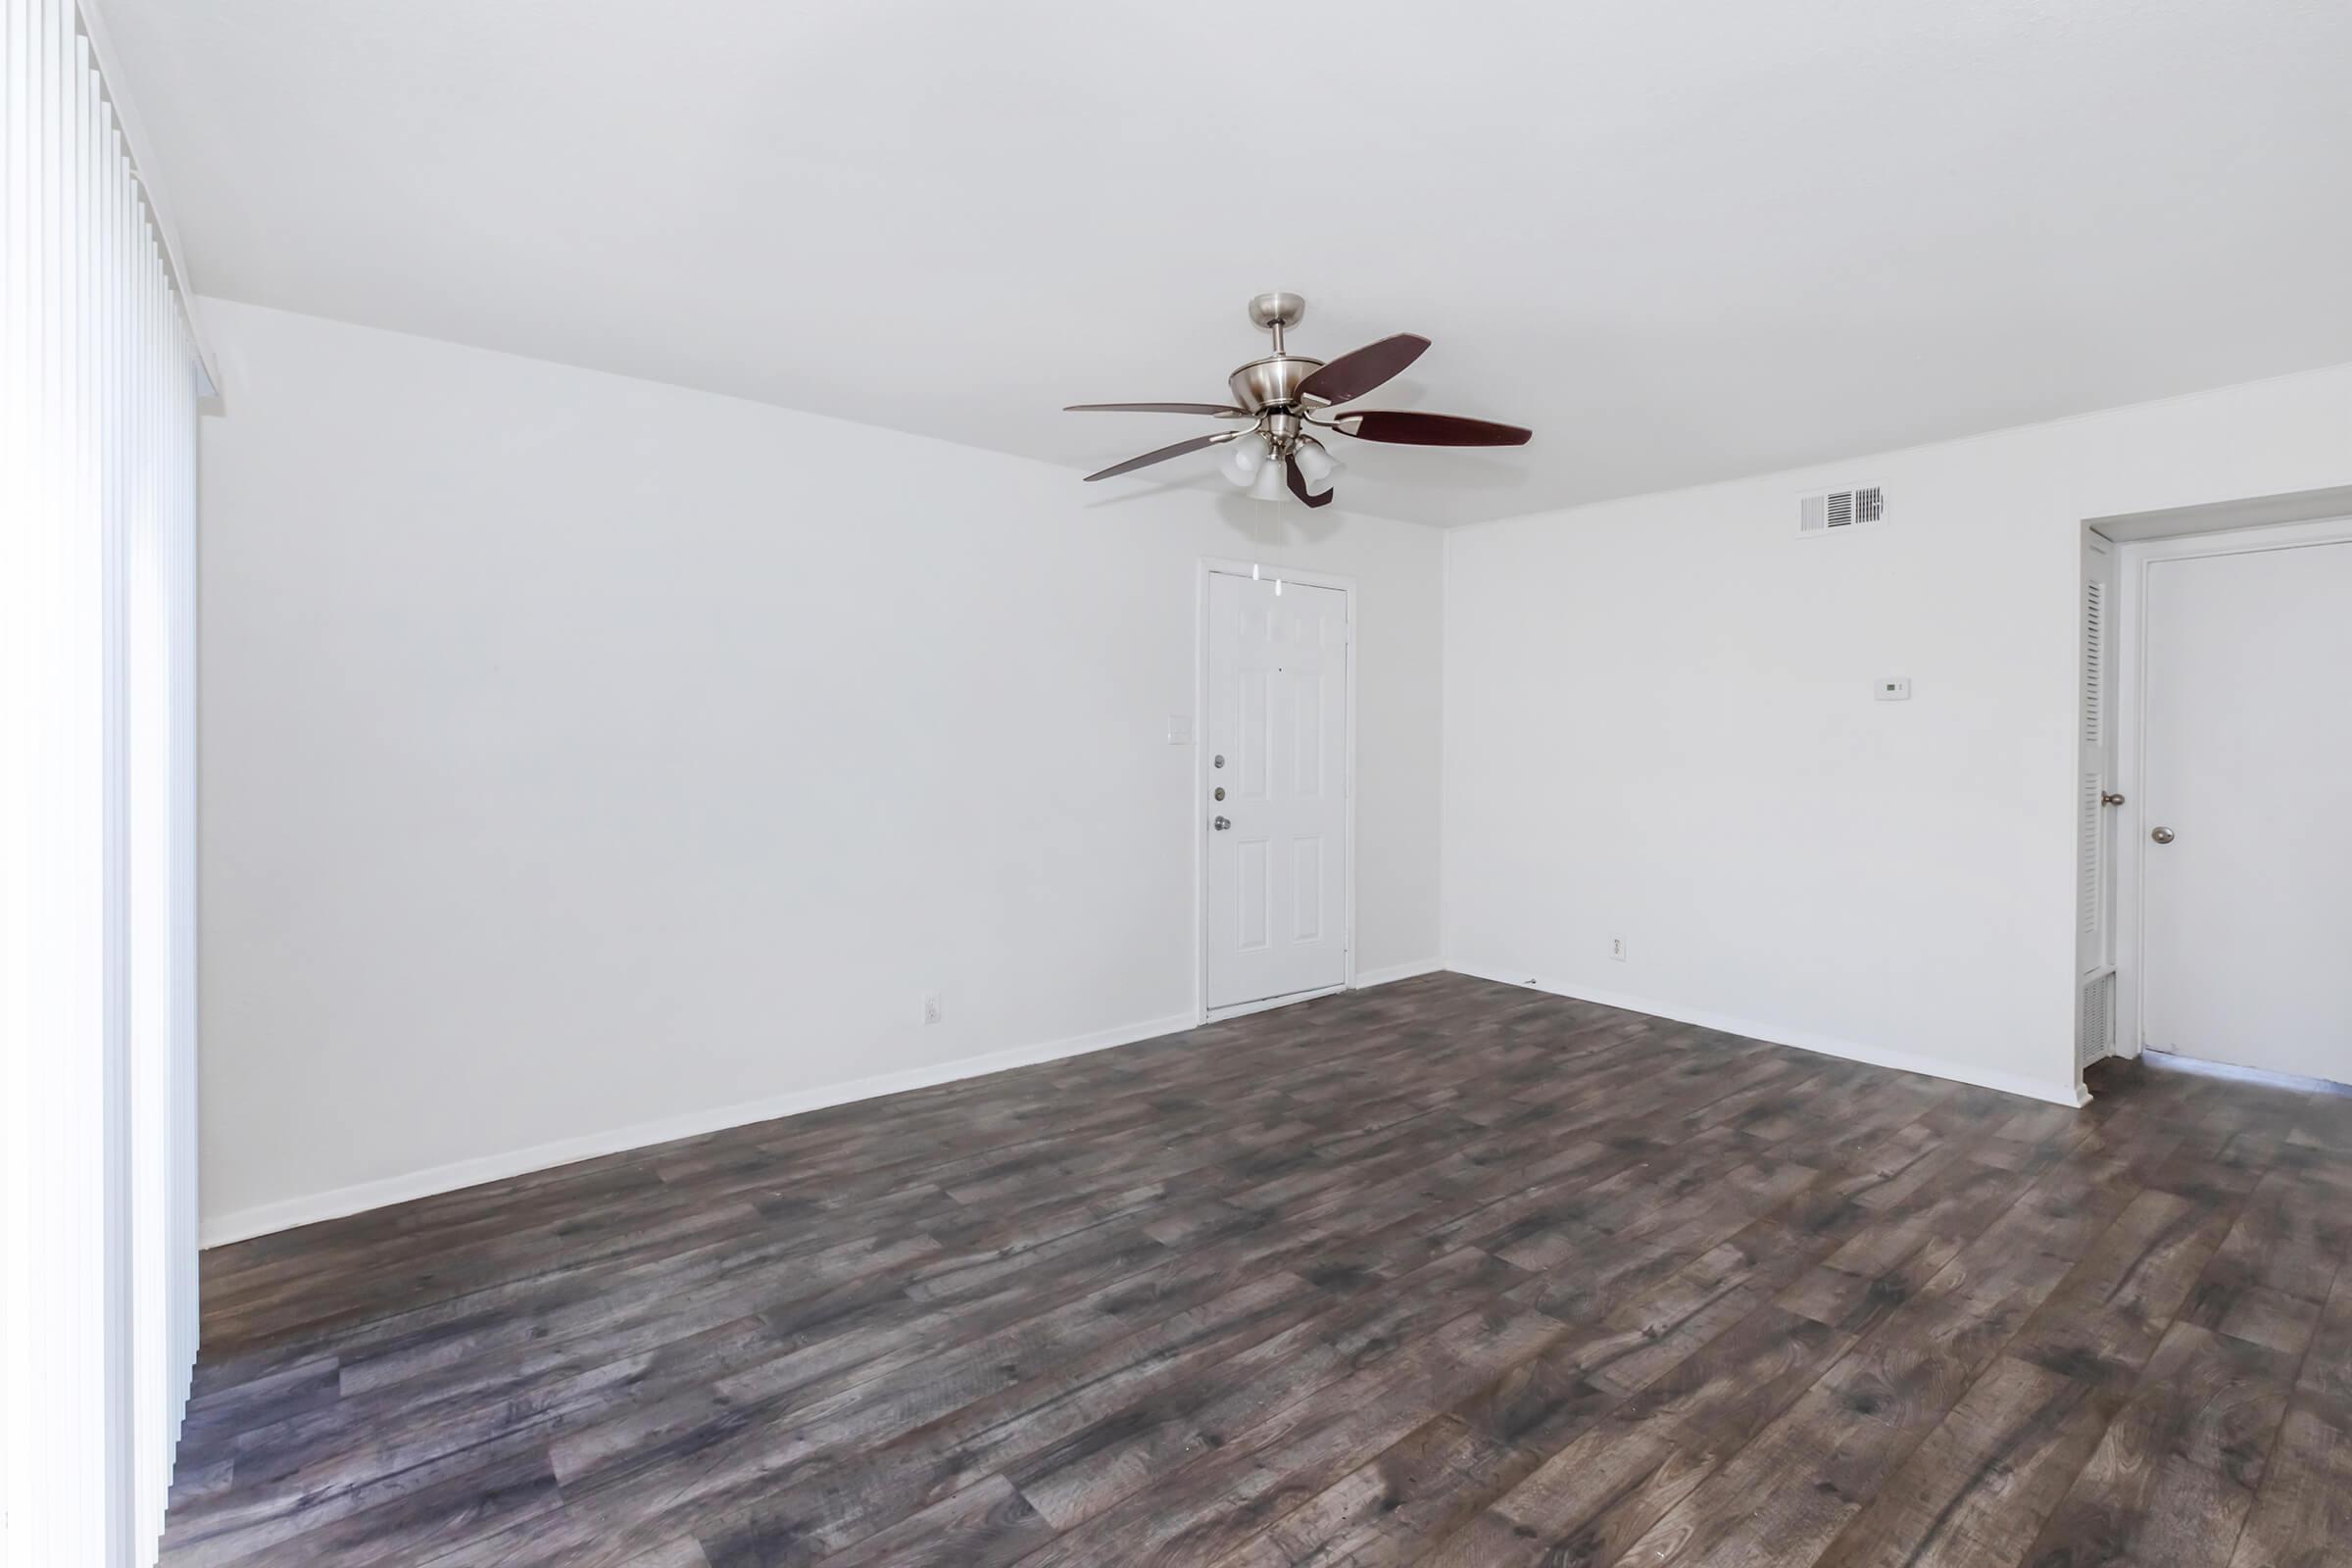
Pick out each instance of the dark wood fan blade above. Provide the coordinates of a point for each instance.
(1149, 408)
(1351, 375)
(1405, 428)
(1299, 486)
(1161, 456)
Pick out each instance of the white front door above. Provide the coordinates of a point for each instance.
(1277, 739)
(2247, 836)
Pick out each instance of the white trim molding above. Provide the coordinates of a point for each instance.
(2057, 1093)
(263, 1218)
(2201, 1068)
(1390, 973)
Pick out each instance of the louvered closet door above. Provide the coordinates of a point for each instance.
(2095, 930)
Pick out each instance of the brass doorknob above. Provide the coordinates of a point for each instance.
(2163, 835)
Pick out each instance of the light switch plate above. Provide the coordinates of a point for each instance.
(1892, 689)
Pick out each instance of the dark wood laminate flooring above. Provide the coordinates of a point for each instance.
(1442, 1272)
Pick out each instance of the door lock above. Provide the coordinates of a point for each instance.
(1220, 825)
(1221, 792)
(2163, 835)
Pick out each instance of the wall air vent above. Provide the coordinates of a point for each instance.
(2094, 1030)
(1836, 510)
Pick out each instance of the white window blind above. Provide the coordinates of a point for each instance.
(98, 407)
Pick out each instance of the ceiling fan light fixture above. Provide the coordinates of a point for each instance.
(1282, 393)
(1244, 459)
(1314, 465)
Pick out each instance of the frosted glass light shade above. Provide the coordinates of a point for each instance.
(1268, 484)
(1314, 466)
(1244, 458)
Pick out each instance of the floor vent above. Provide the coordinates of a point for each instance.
(1832, 509)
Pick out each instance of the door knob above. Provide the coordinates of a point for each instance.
(2110, 797)
(2163, 835)
(1220, 825)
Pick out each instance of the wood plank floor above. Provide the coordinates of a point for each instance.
(1445, 1272)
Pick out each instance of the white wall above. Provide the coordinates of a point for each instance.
(583, 756)
(586, 759)
(1659, 725)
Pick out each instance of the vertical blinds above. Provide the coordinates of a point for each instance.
(98, 407)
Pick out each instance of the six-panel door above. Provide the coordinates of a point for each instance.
(1277, 873)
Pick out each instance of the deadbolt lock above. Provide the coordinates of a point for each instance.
(1218, 761)
(1221, 792)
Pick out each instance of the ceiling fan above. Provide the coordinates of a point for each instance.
(1282, 395)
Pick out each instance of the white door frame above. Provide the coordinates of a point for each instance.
(2133, 562)
(1198, 813)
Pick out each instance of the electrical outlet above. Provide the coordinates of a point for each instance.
(1617, 949)
(930, 1007)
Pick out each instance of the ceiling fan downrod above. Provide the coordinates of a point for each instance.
(1272, 312)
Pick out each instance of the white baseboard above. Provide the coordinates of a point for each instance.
(1365, 978)
(2174, 1062)
(1804, 1040)
(263, 1218)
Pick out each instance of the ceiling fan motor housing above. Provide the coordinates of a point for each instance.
(1273, 382)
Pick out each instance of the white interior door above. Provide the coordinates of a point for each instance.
(2246, 859)
(1277, 837)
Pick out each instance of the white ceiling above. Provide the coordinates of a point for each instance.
(1683, 241)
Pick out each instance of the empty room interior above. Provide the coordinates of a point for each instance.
(1052, 786)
